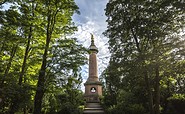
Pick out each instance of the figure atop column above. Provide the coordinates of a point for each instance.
(92, 46)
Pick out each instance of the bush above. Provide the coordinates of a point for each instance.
(176, 104)
(126, 104)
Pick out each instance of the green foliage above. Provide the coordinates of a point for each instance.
(146, 51)
(16, 93)
(63, 102)
(32, 32)
(127, 104)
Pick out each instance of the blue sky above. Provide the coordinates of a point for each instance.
(91, 10)
(92, 19)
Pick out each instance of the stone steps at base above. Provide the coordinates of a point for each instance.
(93, 105)
(93, 108)
(87, 111)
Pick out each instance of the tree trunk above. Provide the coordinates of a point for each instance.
(165, 107)
(40, 84)
(148, 87)
(147, 81)
(13, 51)
(157, 91)
(12, 108)
(25, 57)
(41, 79)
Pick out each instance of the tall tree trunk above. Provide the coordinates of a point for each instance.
(25, 57)
(148, 87)
(41, 79)
(13, 51)
(157, 91)
(40, 84)
(11, 109)
(165, 107)
(147, 80)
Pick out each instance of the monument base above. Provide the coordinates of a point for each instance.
(93, 108)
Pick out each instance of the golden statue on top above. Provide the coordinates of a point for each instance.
(92, 39)
(92, 46)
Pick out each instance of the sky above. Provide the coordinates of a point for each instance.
(92, 19)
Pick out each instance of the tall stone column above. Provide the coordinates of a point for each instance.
(93, 71)
(93, 87)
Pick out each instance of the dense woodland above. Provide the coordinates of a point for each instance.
(146, 72)
(40, 62)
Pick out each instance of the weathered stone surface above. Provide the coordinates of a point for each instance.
(93, 73)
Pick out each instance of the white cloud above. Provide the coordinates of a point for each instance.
(84, 37)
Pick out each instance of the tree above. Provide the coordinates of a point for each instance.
(141, 36)
(35, 46)
(57, 15)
